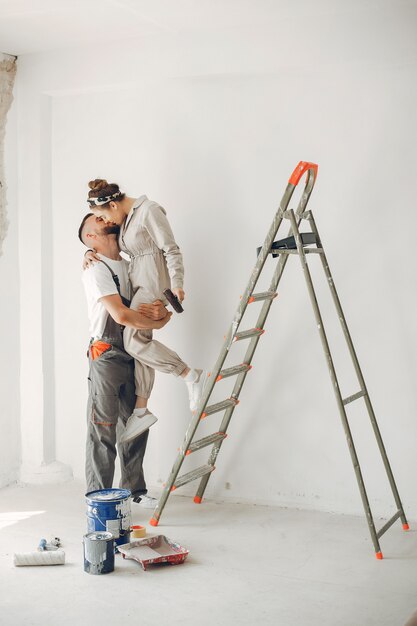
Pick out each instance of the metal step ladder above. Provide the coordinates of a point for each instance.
(294, 243)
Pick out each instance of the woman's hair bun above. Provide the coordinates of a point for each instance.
(98, 184)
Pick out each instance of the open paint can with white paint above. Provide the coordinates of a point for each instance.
(98, 553)
(108, 510)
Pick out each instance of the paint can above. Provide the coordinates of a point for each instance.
(109, 510)
(98, 553)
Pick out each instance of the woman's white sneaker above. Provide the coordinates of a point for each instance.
(136, 426)
(196, 388)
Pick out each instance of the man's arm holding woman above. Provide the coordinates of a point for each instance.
(149, 317)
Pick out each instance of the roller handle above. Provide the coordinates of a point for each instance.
(302, 168)
(173, 300)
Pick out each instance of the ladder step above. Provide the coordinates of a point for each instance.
(354, 397)
(233, 371)
(245, 334)
(219, 406)
(205, 441)
(193, 475)
(263, 295)
(276, 253)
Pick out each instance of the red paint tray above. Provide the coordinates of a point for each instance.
(153, 550)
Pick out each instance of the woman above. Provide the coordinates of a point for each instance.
(155, 265)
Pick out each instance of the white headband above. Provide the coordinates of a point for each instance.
(103, 199)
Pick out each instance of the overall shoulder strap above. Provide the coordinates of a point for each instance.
(114, 276)
(116, 280)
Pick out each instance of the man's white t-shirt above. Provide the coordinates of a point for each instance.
(98, 282)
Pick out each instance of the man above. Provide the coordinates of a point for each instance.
(111, 373)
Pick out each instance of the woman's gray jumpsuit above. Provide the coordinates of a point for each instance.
(155, 265)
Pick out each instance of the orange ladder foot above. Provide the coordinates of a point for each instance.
(379, 555)
(197, 499)
(406, 527)
(154, 522)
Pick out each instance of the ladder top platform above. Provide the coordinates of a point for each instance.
(288, 243)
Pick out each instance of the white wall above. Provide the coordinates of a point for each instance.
(9, 319)
(212, 129)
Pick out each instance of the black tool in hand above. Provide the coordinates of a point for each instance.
(173, 300)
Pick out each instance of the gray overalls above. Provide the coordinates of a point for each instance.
(155, 265)
(112, 395)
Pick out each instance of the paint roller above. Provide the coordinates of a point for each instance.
(173, 300)
(56, 557)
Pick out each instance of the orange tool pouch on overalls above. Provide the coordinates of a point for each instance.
(97, 348)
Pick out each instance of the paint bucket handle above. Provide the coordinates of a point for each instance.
(94, 512)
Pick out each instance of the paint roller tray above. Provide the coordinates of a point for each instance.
(154, 550)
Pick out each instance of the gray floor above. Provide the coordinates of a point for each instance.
(247, 565)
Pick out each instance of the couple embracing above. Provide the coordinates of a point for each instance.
(125, 304)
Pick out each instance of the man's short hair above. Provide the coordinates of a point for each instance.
(80, 230)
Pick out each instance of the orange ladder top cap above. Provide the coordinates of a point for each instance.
(301, 169)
